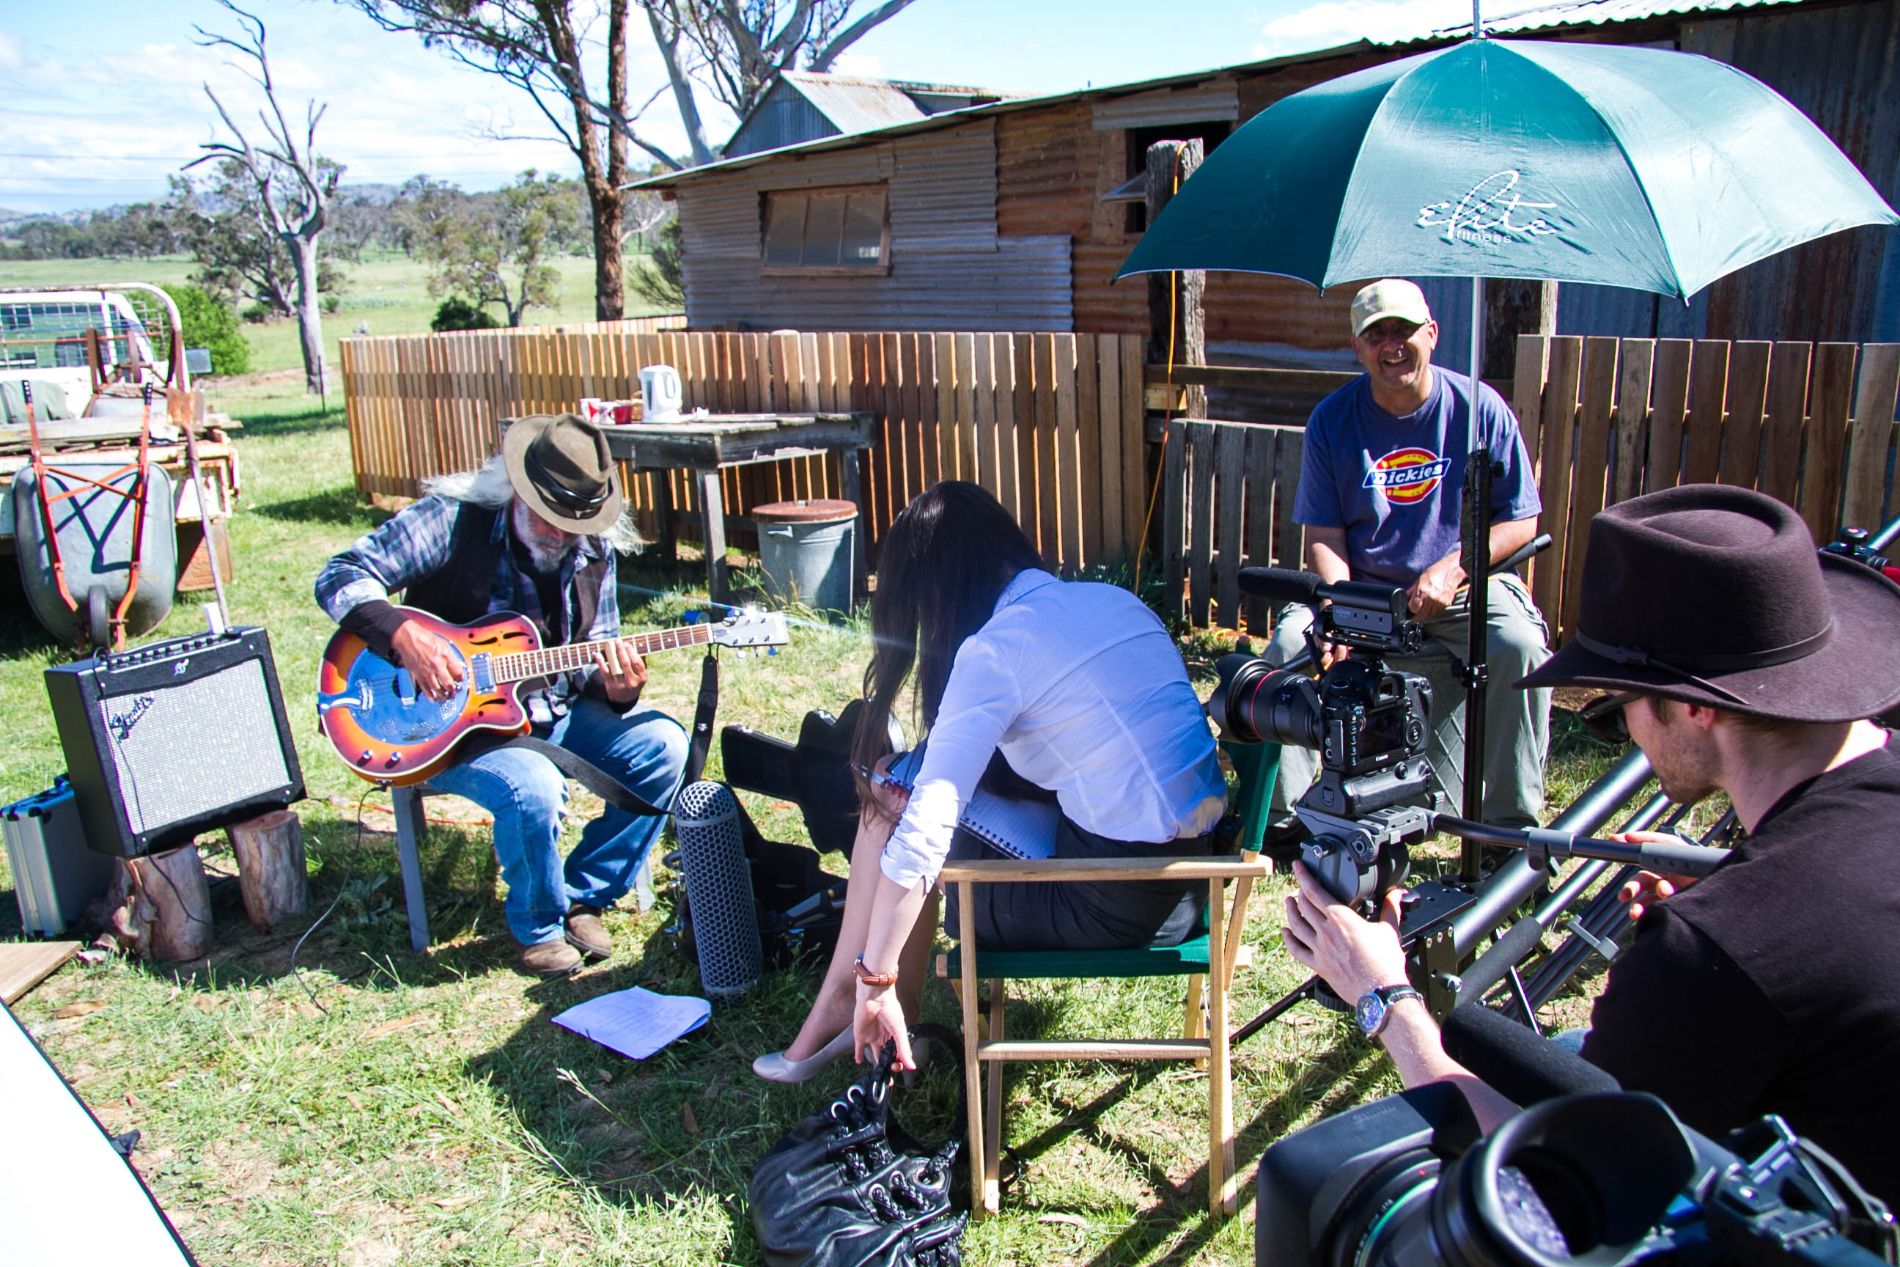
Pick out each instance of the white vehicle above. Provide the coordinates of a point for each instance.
(72, 343)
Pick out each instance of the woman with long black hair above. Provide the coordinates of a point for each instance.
(1028, 685)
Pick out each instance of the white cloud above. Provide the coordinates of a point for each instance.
(862, 64)
(1334, 22)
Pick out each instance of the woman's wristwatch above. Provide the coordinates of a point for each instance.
(867, 977)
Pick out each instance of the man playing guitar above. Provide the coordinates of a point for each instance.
(534, 532)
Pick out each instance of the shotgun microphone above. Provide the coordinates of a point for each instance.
(1281, 585)
(719, 899)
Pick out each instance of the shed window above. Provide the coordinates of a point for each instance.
(827, 230)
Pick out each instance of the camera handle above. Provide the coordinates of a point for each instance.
(1542, 844)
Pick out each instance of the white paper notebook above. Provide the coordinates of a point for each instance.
(1021, 829)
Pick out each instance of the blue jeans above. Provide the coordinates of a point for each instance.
(645, 750)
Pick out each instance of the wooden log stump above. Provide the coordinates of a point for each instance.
(271, 872)
(161, 906)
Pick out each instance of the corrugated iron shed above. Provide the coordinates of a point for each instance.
(1522, 21)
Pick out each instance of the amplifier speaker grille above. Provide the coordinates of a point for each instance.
(173, 739)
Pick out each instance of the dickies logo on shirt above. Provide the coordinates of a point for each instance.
(1407, 475)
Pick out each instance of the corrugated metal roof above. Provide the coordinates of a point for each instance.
(853, 104)
(1573, 14)
(1587, 13)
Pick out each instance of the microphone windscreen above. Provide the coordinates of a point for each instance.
(1515, 1062)
(1281, 585)
(719, 897)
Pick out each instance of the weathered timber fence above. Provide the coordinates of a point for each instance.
(1605, 419)
(1051, 423)
(1228, 498)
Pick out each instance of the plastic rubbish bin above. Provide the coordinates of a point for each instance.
(805, 548)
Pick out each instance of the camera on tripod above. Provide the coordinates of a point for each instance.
(1369, 723)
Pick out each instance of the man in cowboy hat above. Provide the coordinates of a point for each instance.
(1741, 661)
(535, 531)
(1381, 481)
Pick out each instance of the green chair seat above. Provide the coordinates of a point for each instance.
(1189, 957)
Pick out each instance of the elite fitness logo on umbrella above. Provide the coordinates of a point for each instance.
(1491, 213)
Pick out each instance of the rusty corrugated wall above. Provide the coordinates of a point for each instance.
(949, 268)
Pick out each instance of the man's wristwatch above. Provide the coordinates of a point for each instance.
(1375, 1006)
(872, 978)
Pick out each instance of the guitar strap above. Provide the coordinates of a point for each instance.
(700, 741)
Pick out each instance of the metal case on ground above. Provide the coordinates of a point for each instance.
(55, 876)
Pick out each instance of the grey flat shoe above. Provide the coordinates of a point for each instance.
(774, 1066)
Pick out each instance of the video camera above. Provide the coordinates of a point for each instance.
(1600, 1178)
(1368, 721)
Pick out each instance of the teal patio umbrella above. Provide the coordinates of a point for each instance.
(1566, 162)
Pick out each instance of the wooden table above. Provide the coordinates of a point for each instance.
(707, 444)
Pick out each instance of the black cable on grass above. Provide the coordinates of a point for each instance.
(317, 923)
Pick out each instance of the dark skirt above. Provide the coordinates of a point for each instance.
(1059, 915)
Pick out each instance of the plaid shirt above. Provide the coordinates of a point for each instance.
(416, 543)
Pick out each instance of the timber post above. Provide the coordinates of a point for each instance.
(1513, 307)
(1177, 318)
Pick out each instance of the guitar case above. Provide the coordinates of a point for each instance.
(800, 903)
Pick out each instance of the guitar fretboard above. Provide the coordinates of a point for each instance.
(548, 661)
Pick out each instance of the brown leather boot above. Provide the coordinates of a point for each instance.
(548, 959)
(587, 934)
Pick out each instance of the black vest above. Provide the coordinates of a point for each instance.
(459, 591)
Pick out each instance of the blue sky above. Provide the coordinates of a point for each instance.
(102, 109)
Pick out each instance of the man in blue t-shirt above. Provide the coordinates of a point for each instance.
(1379, 495)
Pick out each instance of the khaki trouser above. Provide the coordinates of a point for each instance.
(1516, 723)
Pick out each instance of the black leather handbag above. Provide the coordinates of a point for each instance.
(848, 1186)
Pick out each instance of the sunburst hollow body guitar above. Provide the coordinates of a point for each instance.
(388, 731)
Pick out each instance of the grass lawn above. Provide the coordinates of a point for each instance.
(318, 1094)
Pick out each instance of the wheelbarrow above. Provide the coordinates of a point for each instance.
(95, 542)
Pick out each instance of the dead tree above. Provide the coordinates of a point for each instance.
(294, 187)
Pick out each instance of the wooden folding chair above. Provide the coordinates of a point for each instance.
(1207, 959)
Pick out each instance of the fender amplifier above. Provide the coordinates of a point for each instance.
(174, 738)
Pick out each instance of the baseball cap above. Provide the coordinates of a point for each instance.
(1390, 297)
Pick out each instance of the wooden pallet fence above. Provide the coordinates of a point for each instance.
(1605, 419)
(1049, 422)
(1227, 492)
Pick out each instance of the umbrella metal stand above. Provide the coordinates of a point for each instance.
(1477, 551)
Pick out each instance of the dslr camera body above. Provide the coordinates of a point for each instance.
(1368, 722)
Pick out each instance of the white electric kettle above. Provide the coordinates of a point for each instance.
(660, 393)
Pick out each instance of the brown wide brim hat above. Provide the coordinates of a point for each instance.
(561, 467)
(1716, 595)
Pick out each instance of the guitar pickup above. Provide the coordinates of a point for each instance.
(482, 674)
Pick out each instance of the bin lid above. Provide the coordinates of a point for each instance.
(817, 510)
